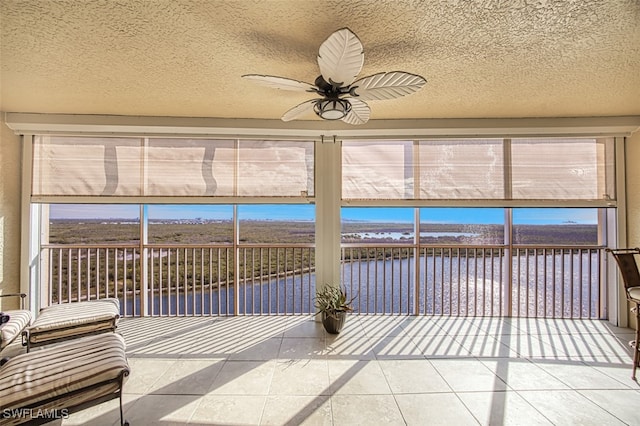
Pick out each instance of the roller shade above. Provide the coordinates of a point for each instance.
(461, 169)
(479, 169)
(89, 166)
(377, 170)
(562, 169)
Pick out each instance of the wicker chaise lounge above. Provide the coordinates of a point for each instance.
(50, 383)
(71, 320)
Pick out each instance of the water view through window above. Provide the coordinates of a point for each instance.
(260, 259)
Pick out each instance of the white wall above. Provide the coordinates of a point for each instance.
(10, 170)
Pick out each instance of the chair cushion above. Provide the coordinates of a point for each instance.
(73, 319)
(18, 320)
(67, 374)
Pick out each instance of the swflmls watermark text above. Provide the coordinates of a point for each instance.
(32, 414)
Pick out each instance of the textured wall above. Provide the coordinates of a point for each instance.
(10, 150)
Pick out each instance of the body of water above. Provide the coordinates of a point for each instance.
(558, 285)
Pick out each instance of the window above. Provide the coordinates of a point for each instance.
(190, 224)
(377, 225)
(578, 226)
(94, 224)
(474, 226)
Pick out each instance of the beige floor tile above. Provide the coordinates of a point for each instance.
(496, 326)
(577, 375)
(228, 410)
(502, 408)
(440, 346)
(268, 327)
(535, 326)
(568, 407)
(434, 409)
(302, 348)
(396, 347)
(454, 326)
(420, 326)
(483, 345)
(528, 346)
(151, 410)
(107, 413)
(468, 375)
(187, 377)
(618, 371)
(584, 326)
(145, 372)
(297, 410)
(365, 410)
(624, 404)
(243, 378)
(589, 347)
(378, 370)
(257, 351)
(522, 374)
(342, 347)
(357, 377)
(300, 377)
(304, 328)
(413, 376)
(381, 326)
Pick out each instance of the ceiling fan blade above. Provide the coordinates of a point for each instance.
(281, 83)
(341, 57)
(298, 110)
(359, 113)
(387, 85)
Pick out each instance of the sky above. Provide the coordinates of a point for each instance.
(306, 212)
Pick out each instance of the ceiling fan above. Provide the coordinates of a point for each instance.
(340, 59)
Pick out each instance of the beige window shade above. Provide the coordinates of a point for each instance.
(85, 166)
(562, 169)
(377, 170)
(283, 169)
(461, 169)
(89, 166)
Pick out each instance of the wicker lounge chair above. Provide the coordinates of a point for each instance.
(39, 386)
(626, 260)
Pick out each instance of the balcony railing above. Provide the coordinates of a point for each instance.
(556, 282)
(188, 280)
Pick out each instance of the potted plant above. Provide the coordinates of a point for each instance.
(333, 304)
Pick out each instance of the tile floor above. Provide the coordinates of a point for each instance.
(378, 371)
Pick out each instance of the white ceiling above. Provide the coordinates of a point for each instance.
(489, 58)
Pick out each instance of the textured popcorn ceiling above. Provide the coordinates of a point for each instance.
(484, 58)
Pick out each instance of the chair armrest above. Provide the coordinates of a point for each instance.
(21, 295)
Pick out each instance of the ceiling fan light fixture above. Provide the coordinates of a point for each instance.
(332, 109)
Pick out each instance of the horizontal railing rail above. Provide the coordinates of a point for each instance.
(560, 281)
